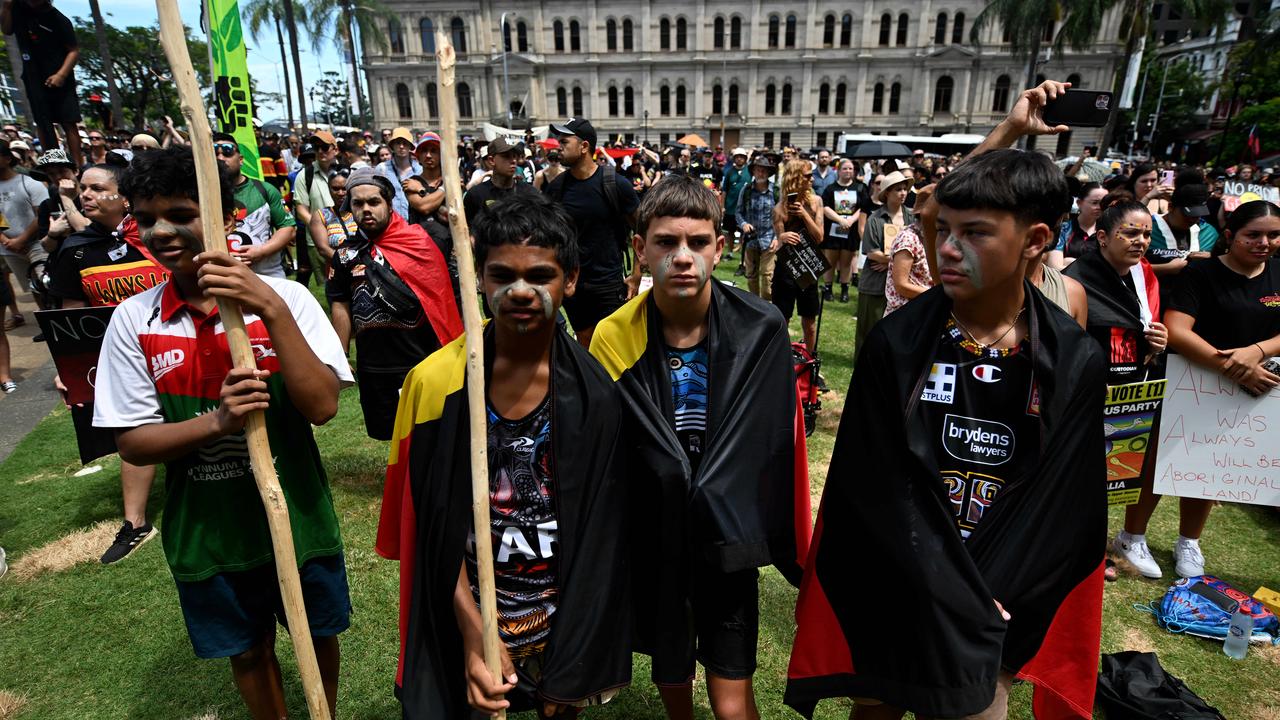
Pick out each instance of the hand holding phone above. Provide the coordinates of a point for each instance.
(1079, 108)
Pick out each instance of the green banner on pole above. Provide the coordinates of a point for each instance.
(231, 81)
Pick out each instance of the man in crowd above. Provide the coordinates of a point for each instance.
(755, 221)
(720, 483)
(428, 154)
(736, 176)
(705, 170)
(98, 149)
(20, 197)
(823, 174)
(501, 182)
(265, 228)
(389, 288)
(311, 194)
(190, 413)
(50, 52)
(401, 166)
(602, 204)
(557, 490)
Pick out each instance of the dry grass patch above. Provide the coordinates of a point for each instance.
(1135, 639)
(1270, 652)
(79, 547)
(10, 704)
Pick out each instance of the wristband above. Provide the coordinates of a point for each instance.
(1264, 352)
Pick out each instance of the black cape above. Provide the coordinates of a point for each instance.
(426, 517)
(894, 605)
(1112, 303)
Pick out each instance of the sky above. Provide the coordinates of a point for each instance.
(264, 56)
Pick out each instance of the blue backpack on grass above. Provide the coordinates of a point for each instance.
(1203, 606)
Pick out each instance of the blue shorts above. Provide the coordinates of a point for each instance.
(229, 613)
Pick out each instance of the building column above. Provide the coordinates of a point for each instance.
(870, 36)
(926, 14)
(859, 91)
(961, 108)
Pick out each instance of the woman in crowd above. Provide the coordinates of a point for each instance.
(333, 226)
(1144, 183)
(883, 225)
(1079, 234)
(908, 269)
(797, 216)
(842, 205)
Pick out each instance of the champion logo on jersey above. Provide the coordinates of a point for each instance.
(166, 362)
(987, 373)
(941, 386)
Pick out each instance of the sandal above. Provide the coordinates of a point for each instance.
(8, 386)
(16, 321)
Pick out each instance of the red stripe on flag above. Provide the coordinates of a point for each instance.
(1065, 670)
(820, 647)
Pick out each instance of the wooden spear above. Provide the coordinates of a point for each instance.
(173, 37)
(445, 61)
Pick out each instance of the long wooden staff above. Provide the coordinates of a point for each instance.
(445, 61)
(173, 38)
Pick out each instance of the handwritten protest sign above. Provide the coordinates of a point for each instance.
(1236, 193)
(1217, 442)
(803, 261)
(1127, 424)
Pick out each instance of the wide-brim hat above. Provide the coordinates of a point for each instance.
(894, 178)
(763, 162)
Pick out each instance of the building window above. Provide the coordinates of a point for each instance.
(458, 34)
(822, 139)
(627, 43)
(786, 99)
(768, 140)
(664, 34)
(522, 36)
(628, 101)
(846, 30)
(664, 101)
(886, 27)
(464, 100)
(877, 99)
(717, 100)
(940, 29)
(829, 31)
(770, 99)
(774, 24)
(717, 34)
(680, 98)
(395, 38)
(1048, 33)
(1076, 82)
(427, 34)
(791, 31)
(824, 99)
(784, 139)
(611, 34)
(942, 94)
(1006, 35)
(841, 91)
(506, 38)
(613, 102)
(957, 30)
(562, 102)
(433, 100)
(735, 33)
(733, 99)
(402, 101)
(682, 34)
(903, 24)
(575, 36)
(557, 34)
(577, 102)
(895, 98)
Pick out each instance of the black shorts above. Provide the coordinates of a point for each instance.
(720, 629)
(51, 106)
(592, 303)
(379, 399)
(788, 296)
(832, 242)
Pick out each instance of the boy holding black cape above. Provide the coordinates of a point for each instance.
(556, 496)
(720, 487)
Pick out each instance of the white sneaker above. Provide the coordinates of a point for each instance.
(1137, 554)
(1190, 561)
(4, 566)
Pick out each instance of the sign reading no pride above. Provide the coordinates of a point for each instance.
(1217, 442)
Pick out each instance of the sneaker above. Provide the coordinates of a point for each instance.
(826, 294)
(1136, 553)
(8, 386)
(1189, 561)
(127, 540)
(4, 566)
(844, 295)
(38, 338)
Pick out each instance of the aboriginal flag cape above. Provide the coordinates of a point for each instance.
(894, 605)
(421, 265)
(426, 520)
(748, 505)
(1112, 303)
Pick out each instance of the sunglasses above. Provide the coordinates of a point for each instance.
(96, 137)
(225, 149)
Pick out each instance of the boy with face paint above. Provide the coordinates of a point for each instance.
(166, 385)
(556, 496)
(720, 485)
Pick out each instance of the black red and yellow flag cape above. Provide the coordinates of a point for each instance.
(748, 505)
(426, 518)
(894, 605)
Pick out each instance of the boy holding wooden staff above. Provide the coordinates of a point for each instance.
(166, 385)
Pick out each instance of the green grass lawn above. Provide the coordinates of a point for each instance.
(109, 642)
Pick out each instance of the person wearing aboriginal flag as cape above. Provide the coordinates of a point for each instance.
(967, 476)
(720, 487)
(556, 458)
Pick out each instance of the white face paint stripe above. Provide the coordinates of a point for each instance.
(495, 300)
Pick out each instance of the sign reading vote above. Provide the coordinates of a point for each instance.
(1217, 442)
(74, 337)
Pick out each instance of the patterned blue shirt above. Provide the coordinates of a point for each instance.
(756, 208)
(689, 369)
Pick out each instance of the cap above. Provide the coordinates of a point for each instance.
(54, 158)
(501, 145)
(144, 140)
(427, 137)
(324, 136)
(401, 133)
(1192, 200)
(305, 150)
(740, 151)
(19, 145)
(580, 127)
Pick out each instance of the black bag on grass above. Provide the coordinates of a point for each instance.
(1133, 686)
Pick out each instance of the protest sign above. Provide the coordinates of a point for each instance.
(231, 81)
(1217, 442)
(803, 261)
(74, 337)
(1235, 193)
(1129, 414)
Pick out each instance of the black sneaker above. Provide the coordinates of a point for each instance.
(826, 293)
(822, 384)
(127, 540)
(844, 295)
(38, 338)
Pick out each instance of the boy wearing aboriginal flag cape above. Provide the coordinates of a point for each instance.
(961, 535)
(721, 485)
(556, 458)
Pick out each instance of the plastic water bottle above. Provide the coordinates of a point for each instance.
(1237, 643)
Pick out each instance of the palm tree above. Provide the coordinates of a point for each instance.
(341, 21)
(258, 14)
(100, 31)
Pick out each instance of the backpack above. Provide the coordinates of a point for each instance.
(286, 255)
(1133, 686)
(1203, 606)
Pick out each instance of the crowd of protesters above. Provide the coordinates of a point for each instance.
(1143, 259)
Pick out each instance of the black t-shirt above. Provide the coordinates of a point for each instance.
(983, 408)
(44, 38)
(1230, 309)
(390, 327)
(1125, 348)
(845, 200)
(486, 193)
(710, 176)
(600, 229)
(98, 268)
